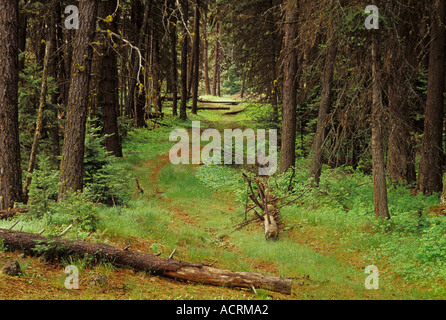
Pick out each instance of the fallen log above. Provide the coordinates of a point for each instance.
(211, 108)
(6, 214)
(31, 244)
(232, 103)
(234, 112)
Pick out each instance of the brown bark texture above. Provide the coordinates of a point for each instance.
(378, 120)
(108, 91)
(324, 108)
(10, 170)
(72, 165)
(288, 152)
(431, 169)
(123, 257)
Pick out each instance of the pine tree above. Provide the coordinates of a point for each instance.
(72, 165)
(10, 169)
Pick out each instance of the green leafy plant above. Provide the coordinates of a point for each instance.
(44, 188)
(105, 181)
(76, 209)
(50, 249)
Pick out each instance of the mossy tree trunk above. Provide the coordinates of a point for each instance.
(196, 58)
(108, 90)
(378, 122)
(72, 165)
(288, 149)
(324, 108)
(184, 52)
(431, 164)
(10, 170)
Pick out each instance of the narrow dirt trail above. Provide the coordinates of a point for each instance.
(191, 216)
(318, 258)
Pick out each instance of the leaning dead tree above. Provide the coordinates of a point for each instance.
(57, 247)
(269, 205)
(263, 200)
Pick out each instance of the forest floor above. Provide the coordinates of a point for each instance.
(178, 211)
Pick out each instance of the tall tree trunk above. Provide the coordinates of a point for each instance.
(431, 171)
(108, 91)
(219, 80)
(216, 64)
(67, 60)
(288, 152)
(207, 83)
(196, 57)
(134, 104)
(72, 165)
(184, 52)
(39, 121)
(378, 116)
(242, 90)
(95, 86)
(272, 40)
(52, 125)
(324, 108)
(23, 26)
(401, 154)
(190, 70)
(273, 98)
(174, 65)
(10, 170)
(156, 76)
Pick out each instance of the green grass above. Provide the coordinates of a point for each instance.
(339, 213)
(330, 235)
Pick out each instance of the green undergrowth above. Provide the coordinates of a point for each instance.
(328, 234)
(340, 212)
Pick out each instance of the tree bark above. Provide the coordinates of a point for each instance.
(324, 108)
(431, 170)
(72, 165)
(108, 91)
(273, 53)
(7, 214)
(156, 76)
(379, 174)
(10, 169)
(215, 84)
(134, 104)
(269, 217)
(288, 152)
(196, 57)
(23, 26)
(195, 272)
(207, 82)
(184, 52)
(401, 154)
(67, 60)
(242, 90)
(174, 64)
(39, 121)
(52, 124)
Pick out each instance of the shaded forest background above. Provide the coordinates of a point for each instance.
(85, 116)
(340, 94)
